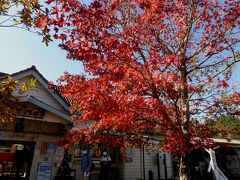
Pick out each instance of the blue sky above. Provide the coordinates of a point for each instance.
(20, 49)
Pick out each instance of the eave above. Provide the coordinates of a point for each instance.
(31, 99)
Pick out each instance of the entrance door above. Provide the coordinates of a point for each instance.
(16, 159)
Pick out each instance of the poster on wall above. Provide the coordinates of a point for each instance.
(129, 155)
(58, 156)
(51, 148)
(44, 171)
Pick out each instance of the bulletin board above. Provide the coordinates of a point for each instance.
(44, 171)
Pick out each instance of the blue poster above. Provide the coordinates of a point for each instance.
(44, 171)
(51, 148)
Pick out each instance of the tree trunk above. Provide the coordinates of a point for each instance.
(184, 167)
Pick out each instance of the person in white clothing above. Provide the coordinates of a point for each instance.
(105, 162)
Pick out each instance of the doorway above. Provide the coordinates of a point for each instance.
(16, 159)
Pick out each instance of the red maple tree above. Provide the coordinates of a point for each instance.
(152, 65)
(228, 105)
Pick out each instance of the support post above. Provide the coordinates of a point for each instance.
(143, 163)
(165, 165)
(158, 166)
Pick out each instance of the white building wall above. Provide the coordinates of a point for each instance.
(132, 170)
(50, 117)
(40, 93)
(36, 156)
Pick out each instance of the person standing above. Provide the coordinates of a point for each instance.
(86, 164)
(105, 163)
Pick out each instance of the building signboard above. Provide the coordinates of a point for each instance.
(44, 171)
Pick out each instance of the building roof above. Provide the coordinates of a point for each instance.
(42, 80)
(232, 142)
(45, 106)
(2, 74)
(32, 71)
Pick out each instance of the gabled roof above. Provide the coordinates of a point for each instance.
(32, 71)
(2, 74)
(40, 78)
(45, 106)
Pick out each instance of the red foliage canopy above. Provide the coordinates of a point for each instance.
(151, 64)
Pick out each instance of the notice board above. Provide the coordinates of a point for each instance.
(44, 171)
